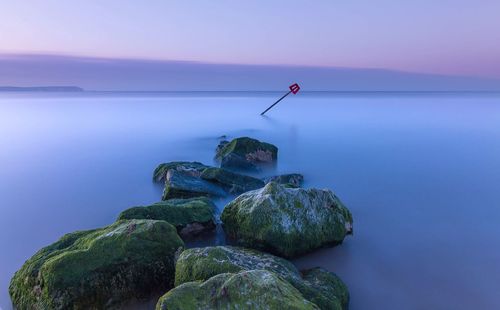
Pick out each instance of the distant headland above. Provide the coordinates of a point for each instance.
(41, 89)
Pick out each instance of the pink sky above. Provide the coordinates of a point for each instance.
(458, 37)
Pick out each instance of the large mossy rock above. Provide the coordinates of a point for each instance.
(287, 221)
(182, 185)
(200, 264)
(189, 216)
(246, 153)
(319, 286)
(193, 168)
(100, 268)
(234, 183)
(254, 289)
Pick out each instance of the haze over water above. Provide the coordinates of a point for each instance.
(419, 171)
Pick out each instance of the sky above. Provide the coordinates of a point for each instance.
(446, 37)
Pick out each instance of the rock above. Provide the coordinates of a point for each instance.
(246, 153)
(254, 289)
(221, 144)
(181, 185)
(293, 179)
(200, 264)
(319, 286)
(325, 289)
(189, 216)
(193, 179)
(193, 168)
(100, 268)
(232, 182)
(287, 221)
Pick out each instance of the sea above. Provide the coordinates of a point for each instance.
(420, 172)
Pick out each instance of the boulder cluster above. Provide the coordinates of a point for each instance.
(143, 253)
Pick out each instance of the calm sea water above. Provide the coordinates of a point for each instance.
(420, 173)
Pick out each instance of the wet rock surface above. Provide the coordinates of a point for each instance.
(100, 268)
(189, 216)
(246, 154)
(287, 221)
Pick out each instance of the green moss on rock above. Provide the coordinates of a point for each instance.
(319, 286)
(245, 153)
(184, 214)
(287, 221)
(254, 289)
(194, 168)
(200, 264)
(325, 289)
(100, 268)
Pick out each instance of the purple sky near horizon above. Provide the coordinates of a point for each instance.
(457, 37)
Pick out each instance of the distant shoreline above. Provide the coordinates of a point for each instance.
(41, 89)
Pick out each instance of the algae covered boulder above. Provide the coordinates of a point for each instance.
(193, 168)
(254, 289)
(325, 289)
(100, 268)
(246, 153)
(319, 286)
(287, 221)
(182, 185)
(189, 216)
(234, 183)
(200, 264)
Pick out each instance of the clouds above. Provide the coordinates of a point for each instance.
(93, 73)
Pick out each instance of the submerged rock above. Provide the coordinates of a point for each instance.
(100, 268)
(246, 153)
(293, 179)
(189, 216)
(234, 183)
(191, 168)
(287, 221)
(181, 185)
(254, 289)
(319, 286)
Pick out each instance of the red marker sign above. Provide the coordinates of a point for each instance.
(294, 88)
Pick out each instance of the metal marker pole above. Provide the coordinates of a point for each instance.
(275, 103)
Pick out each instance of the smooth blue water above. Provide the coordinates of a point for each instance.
(420, 173)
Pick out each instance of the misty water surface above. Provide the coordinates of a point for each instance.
(420, 173)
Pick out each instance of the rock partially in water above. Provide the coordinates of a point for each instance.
(254, 289)
(325, 289)
(190, 216)
(221, 144)
(321, 287)
(200, 264)
(287, 221)
(293, 179)
(100, 268)
(246, 153)
(193, 179)
(185, 185)
(234, 183)
(191, 168)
